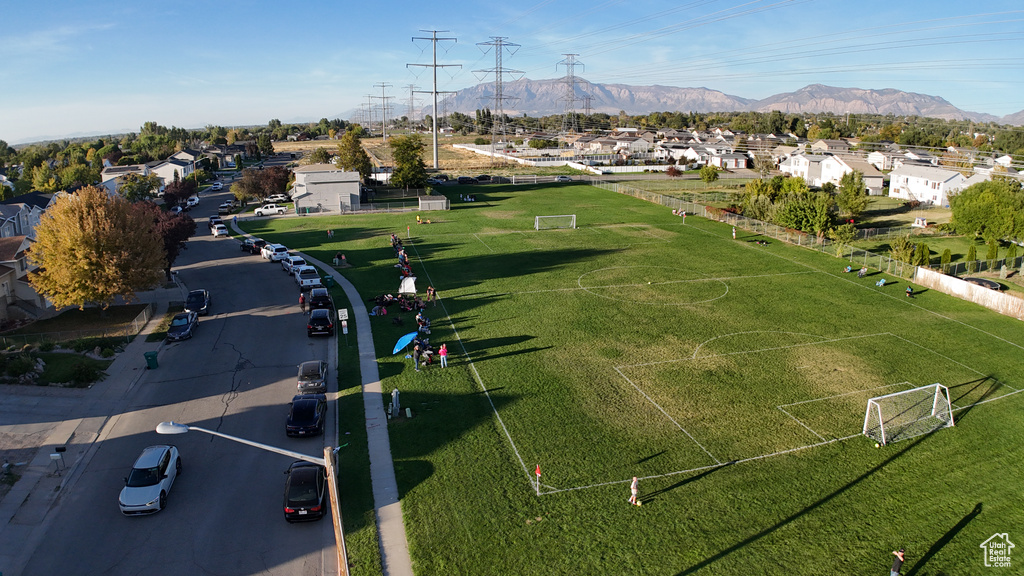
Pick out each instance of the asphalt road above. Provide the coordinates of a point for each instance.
(224, 514)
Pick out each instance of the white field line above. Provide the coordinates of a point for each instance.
(671, 419)
(634, 285)
(484, 243)
(990, 399)
(841, 395)
(797, 420)
(964, 366)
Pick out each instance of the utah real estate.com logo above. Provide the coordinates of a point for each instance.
(997, 550)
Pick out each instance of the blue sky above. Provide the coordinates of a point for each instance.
(99, 66)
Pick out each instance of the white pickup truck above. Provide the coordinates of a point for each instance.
(268, 209)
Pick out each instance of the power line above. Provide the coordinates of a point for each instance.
(500, 45)
(570, 98)
(434, 66)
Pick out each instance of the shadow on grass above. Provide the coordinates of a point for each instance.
(963, 390)
(797, 515)
(946, 539)
(653, 496)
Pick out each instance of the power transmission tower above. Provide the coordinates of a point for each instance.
(433, 39)
(411, 113)
(586, 104)
(369, 109)
(500, 45)
(569, 116)
(384, 108)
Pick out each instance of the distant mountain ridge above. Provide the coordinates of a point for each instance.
(546, 97)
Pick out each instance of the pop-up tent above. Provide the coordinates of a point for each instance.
(408, 286)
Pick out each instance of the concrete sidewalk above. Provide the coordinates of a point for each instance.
(75, 424)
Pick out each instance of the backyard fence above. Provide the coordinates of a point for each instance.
(126, 331)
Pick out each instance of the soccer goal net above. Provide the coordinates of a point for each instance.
(550, 222)
(906, 414)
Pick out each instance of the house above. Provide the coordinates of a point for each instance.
(884, 159)
(187, 155)
(925, 184)
(631, 145)
(831, 146)
(21, 214)
(111, 176)
(833, 168)
(168, 169)
(17, 297)
(728, 161)
(325, 188)
(921, 156)
(806, 166)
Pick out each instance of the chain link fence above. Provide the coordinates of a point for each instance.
(126, 331)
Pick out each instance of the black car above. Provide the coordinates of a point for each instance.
(183, 324)
(320, 322)
(320, 298)
(253, 245)
(306, 415)
(483, 178)
(467, 180)
(305, 492)
(198, 301)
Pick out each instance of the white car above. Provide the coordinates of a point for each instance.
(563, 179)
(146, 487)
(268, 209)
(192, 202)
(279, 199)
(220, 230)
(216, 186)
(274, 252)
(291, 263)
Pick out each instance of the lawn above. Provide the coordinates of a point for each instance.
(731, 377)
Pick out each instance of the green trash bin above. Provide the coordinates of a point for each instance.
(151, 362)
(329, 281)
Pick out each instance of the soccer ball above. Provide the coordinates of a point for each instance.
(877, 445)
(648, 282)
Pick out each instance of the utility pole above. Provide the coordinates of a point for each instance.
(384, 108)
(569, 116)
(500, 45)
(433, 39)
(586, 104)
(369, 110)
(411, 106)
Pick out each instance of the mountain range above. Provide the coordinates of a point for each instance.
(547, 97)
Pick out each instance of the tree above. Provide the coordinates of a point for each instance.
(320, 156)
(673, 172)
(410, 171)
(174, 230)
(841, 236)
(135, 187)
(946, 257)
(991, 209)
(852, 200)
(352, 157)
(708, 174)
(922, 255)
(91, 248)
(176, 192)
(993, 250)
(972, 257)
(902, 249)
(264, 144)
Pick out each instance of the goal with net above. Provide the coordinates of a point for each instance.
(551, 222)
(902, 415)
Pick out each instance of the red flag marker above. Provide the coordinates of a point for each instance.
(537, 472)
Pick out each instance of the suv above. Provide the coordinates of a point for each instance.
(320, 298)
(198, 301)
(252, 245)
(312, 377)
(146, 487)
(279, 199)
(307, 277)
(320, 322)
(274, 252)
(268, 209)
(292, 263)
(467, 180)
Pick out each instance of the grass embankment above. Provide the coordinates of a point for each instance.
(639, 345)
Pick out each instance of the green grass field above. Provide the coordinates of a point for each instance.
(731, 377)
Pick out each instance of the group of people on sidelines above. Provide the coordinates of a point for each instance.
(423, 353)
(881, 281)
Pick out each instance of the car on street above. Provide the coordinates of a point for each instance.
(320, 298)
(312, 378)
(192, 202)
(321, 321)
(279, 199)
(216, 186)
(483, 179)
(220, 230)
(467, 180)
(306, 415)
(225, 208)
(182, 326)
(252, 245)
(268, 209)
(198, 301)
(563, 179)
(500, 180)
(434, 182)
(305, 492)
(214, 220)
(146, 487)
(290, 263)
(307, 277)
(274, 252)
(176, 210)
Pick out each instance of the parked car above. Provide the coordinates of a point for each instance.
(305, 492)
(198, 301)
(483, 179)
(176, 210)
(274, 252)
(268, 209)
(312, 377)
(321, 321)
(225, 208)
(215, 220)
(290, 263)
(563, 179)
(192, 202)
(279, 199)
(467, 180)
(320, 298)
(307, 278)
(216, 186)
(252, 245)
(306, 415)
(146, 487)
(182, 326)
(441, 177)
(500, 180)
(220, 230)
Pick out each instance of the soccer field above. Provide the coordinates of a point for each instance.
(731, 377)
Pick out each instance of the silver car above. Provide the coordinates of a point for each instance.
(146, 487)
(312, 377)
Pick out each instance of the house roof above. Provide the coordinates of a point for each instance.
(926, 172)
(34, 198)
(318, 168)
(10, 248)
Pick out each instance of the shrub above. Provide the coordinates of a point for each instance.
(84, 373)
(107, 352)
(993, 250)
(47, 346)
(1011, 254)
(20, 365)
(946, 257)
(480, 141)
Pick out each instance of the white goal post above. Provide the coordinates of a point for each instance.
(551, 222)
(902, 415)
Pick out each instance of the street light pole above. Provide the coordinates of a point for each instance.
(175, 428)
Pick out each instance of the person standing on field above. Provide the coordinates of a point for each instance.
(897, 564)
(443, 354)
(733, 232)
(634, 489)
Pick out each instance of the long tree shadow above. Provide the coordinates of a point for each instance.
(946, 539)
(793, 517)
(652, 496)
(993, 386)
